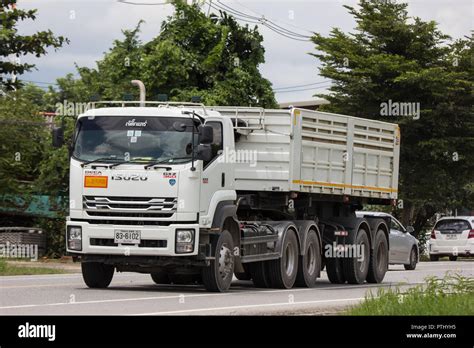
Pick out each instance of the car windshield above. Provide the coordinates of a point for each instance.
(129, 138)
(457, 225)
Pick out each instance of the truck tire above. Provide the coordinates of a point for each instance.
(160, 278)
(335, 270)
(309, 264)
(283, 271)
(259, 274)
(413, 260)
(355, 271)
(218, 275)
(97, 275)
(378, 264)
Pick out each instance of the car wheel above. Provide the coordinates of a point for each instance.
(434, 257)
(413, 260)
(453, 258)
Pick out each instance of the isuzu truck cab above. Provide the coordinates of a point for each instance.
(196, 194)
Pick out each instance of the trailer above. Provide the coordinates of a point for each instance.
(196, 194)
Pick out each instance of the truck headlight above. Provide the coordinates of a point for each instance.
(74, 238)
(184, 241)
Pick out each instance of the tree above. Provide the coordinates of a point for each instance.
(394, 58)
(13, 44)
(194, 55)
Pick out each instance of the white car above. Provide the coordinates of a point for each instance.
(453, 237)
(403, 246)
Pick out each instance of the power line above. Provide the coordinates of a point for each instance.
(281, 21)
(305, 85)
(302, 89)
(144, 3)
(219, 6)
(263, 19)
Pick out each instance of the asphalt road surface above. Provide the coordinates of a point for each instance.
(136, 294)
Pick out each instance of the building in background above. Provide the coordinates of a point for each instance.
(313, 104)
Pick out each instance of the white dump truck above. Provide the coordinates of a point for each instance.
(196, 194)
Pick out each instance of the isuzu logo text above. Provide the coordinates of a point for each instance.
(129, 177)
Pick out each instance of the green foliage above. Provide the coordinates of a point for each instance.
(194, 55)
(20, 45)
(451, 295)
(391, 56)
(7, 269)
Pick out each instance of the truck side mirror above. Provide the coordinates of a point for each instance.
(206, 135)
(57, 135)
(204, 152)
(410, 229)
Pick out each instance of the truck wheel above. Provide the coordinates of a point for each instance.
(413, 258)
(160, 278)
(259, 274)
(334, 270)
(97, 275)
(309, 264)
(218, 275)
(434, 257)
(378, 264)
(283, 271)
(356, 268)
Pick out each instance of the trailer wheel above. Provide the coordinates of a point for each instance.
(160, 278)
(356, 268)
(259, 274)
(283, 271)
(218, 275)
(378, 264)
(335, 270)
(309, 264)
(97, 275)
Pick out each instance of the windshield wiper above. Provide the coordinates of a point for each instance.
(152, 164)
(135, 160)
(102, 159)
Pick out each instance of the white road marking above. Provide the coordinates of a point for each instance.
(251, 306)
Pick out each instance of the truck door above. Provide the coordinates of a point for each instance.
(217, 175)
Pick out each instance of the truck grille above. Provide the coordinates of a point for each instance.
(130, 206)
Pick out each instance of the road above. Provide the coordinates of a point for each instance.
(136, 294)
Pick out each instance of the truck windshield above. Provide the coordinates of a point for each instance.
(125, 138)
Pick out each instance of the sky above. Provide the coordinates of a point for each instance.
(92, 25)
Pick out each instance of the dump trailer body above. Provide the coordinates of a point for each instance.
(316, 152)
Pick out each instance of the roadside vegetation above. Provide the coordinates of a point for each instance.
(7, 269)
(451, 295)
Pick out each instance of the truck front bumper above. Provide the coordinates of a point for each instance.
(98, 239)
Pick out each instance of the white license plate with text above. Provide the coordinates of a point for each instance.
(127, 236)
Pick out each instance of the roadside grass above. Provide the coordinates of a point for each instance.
(9, 270)
(451, 295)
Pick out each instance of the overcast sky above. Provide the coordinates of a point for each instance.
(92, 25)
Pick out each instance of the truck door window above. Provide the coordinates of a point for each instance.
(218, 143)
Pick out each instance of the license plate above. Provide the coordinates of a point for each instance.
(127, 236)
(451, 236)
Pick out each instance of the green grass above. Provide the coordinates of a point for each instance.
(451, 295)
(9, 270)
